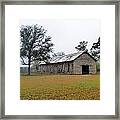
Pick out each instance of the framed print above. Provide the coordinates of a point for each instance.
(59, 59)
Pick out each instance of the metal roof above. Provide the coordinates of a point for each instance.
(65, 58)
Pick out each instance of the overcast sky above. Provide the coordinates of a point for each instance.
(66, 34)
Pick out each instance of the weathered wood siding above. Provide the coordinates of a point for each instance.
(63, 68)
(84, 59)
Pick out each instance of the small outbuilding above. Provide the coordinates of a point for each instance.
(76, 63)
(23, 68)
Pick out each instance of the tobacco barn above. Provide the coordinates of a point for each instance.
(76, 63)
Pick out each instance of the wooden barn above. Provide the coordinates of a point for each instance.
(76, 63)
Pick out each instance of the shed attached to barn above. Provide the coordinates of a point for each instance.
(76, 63)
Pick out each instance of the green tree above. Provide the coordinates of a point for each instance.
(95, 50)
(82, 46)
(35, 45)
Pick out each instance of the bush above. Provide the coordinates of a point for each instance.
(98, 66)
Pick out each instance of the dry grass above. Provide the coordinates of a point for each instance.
(60, 87)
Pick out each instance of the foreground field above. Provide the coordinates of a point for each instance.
(60, 87)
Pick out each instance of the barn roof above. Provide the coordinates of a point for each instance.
(65, 58)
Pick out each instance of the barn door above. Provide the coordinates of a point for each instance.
(85, 69)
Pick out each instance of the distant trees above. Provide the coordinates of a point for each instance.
(35, 45)
(95, 50)
(82, 46)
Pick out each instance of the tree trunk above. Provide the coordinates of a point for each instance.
(29, 66)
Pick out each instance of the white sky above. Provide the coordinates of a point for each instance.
(67, 33)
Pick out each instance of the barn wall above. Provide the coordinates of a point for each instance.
(62, 68)
(84, 59)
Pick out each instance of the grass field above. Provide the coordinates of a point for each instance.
(60, 87)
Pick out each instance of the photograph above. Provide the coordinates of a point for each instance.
(60, 59)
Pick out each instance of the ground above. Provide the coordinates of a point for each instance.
(60, 87)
